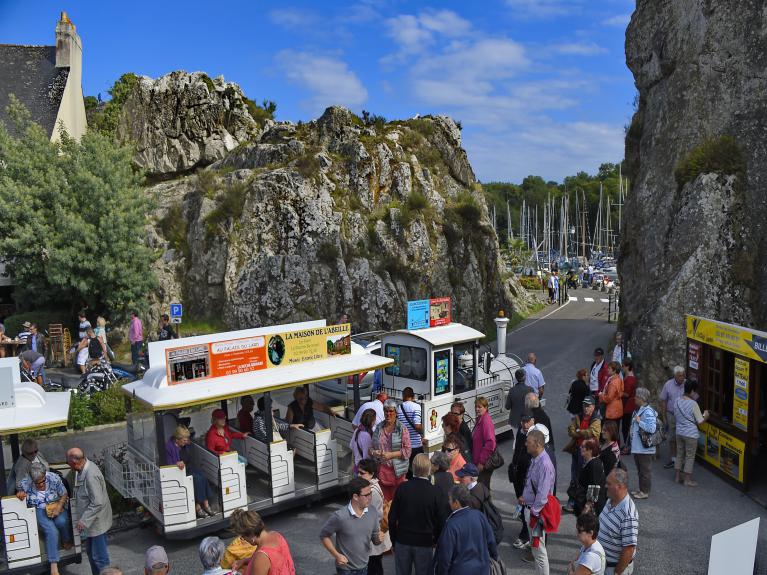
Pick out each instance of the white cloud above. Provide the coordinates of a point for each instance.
(292, 18)
(578, 49)
(542, 8)
(328, 80)
(620, 21)
(414, 33)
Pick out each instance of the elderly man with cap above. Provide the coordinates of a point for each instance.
(156, 561)
(598, 372)
(468, 475)
(92, 512)
(515, 400)
(219, 437)
(376, 405)
(587, 425)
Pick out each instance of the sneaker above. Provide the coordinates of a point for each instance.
(527, 557)
(201, 514)
(640, 495)
(209, 511)
(668, 465)
(520, 544)
(568, 508)
(691, 483)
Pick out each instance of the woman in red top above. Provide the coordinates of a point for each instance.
(272, 554)
(483, 440)
(629, 402)
(219, 436)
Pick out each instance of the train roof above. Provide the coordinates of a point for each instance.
(441, 335)
(34, 408)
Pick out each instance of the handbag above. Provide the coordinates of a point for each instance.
(653, 439)
(497, 567)
(494, 461)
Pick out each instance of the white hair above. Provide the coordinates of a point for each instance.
(678, 369)
(211, 552)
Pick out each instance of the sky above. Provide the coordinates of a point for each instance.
(540, 86)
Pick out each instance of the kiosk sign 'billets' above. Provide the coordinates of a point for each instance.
(749, 343)
(249, 354)
(425, 313)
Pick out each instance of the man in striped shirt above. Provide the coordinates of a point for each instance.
(409, 415)
(619, 525)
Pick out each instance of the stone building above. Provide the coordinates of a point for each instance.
(47, 80)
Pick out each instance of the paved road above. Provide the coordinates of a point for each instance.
(676, 523)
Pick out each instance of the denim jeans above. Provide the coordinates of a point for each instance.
(135, 350)
(202, 489)
(54, 530)
(98, 554)
(406, 557)
(363, 571)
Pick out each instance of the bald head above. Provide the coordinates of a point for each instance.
(531, 358)
(76, 458)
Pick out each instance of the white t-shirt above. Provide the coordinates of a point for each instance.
(373, 404)
(593, 558)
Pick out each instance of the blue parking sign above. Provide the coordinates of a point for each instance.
(176, 310)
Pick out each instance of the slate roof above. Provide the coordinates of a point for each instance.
(30, 73)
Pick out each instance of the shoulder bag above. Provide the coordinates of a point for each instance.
(407, 418)
(652, 439)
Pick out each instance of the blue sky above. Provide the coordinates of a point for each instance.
(540, 86)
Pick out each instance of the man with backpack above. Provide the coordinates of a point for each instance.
(480, 499)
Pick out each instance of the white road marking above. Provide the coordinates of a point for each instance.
(604, 300)
(572, 298)
(590, 299)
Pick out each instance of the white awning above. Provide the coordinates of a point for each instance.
(444, 334)
(155, 392)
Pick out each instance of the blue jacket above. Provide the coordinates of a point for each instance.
(465, 545)
(647, 421)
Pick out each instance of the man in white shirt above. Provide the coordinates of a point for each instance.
(534, 377)
(374, 404)
(619, 351)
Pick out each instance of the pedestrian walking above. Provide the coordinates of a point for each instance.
(688, 419)
(135, 337)
(611, 397)
(619, 526)
(467, 542)
(534, 375)
(520, 463)
(409, 415)
(92, 515)
(629, 401)
(355, 527)
(591, 556)
(538, 485)
(515, 399)
(645, 419)
(391, 446)
(672, 390)
(587, 425)
(579, 389)
(368, 470)
(483, 443)
(156, 561)
(416, 519)
(592, 474)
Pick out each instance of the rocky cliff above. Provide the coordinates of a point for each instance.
(300, 221)
(694, 223)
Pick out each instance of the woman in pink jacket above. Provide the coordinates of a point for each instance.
(483, 440)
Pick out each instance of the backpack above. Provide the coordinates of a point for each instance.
(94, 348)
(493, 516)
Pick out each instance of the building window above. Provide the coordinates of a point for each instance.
(409, 362)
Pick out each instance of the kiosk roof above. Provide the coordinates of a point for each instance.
(154, 391)
(443, 334)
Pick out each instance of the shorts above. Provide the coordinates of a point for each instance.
(82, 356)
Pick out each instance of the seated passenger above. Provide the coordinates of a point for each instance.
(29, 455)
(177, 453)
(244, 417)
(45, 491)
(301, 410)
(279, 426)
(219, 437)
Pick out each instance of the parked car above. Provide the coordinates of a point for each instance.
(338, 391)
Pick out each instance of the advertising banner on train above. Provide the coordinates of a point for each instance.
(236, 356)
(425, 313)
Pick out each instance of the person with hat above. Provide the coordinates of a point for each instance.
(515, 400)
(598, 372)
(587, 425)
(219, 437)
(24, 333)
(156, 561)
(468, 475)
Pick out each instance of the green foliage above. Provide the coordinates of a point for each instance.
(422, 126)
(209, 83)
(91, 103)
(175, 229)
(531, 283)
(229, 205)
(42, 317)
(197, 326)
(102, 407)
(307, 164)
(327, 252)
(714, 156)
(207, 182)
(373, 120)
(79, 215)
(80, 413)
(106, 121)
(466, 208)
(261, 113)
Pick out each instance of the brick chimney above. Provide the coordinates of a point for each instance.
(69, 48)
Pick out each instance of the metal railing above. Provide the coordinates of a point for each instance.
(613, 306)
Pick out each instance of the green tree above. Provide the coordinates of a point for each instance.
(75, 218)
(106, 121)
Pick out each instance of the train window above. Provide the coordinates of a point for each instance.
(441, 372)
(409, 362)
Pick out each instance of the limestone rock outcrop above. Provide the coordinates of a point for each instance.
(313, 219)
(184, 121)
(696, 245)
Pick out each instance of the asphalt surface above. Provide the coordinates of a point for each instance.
(676, 523)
